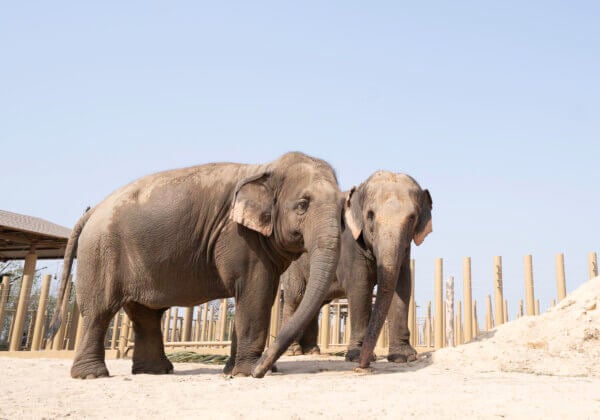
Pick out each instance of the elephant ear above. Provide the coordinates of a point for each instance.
(253, 204)
(352, 216)
(425, 226)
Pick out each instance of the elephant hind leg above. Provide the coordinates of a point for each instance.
(149, 351)
(89, 360)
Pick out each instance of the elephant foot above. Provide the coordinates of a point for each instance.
(313, 350)
(353, 355)
(153, 367)
(228, 368)
(364, 371)
(294, 350)
(402, 354)
(89, 369)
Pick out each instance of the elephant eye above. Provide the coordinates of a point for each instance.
(370, 215)
(301, 206)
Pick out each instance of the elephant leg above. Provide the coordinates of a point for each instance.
(228, 368)
(400, 350)
(149, 352)
(308, 341)
(290, 304)
(252, 315)
(360, 305)
(89, 360)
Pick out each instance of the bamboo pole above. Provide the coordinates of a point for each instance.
(498, 291)
(450, 311)
(468, 299)
(21, 313)
(188, 317)
(561, 283)
(593, 264)
(529, 291)
(39, 318)
(439, 314)
(411, 306)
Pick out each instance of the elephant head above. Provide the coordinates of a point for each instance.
(294, 204)
(386, 213)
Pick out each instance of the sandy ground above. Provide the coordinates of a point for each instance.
(535, 367)
(306, 387)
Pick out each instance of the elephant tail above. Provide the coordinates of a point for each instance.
(67, 265)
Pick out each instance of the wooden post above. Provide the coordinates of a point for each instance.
(3, 299)
(458, 328)
(428, 325)
(198, 323)
(489, 323)
(412, 322)
(520, 313)
(188, 317)
(204, 332)
(79, 332)
(552, 303)
(167, 325)
(223, 320)
(211, 323)
(468, 299)
(59, 338)
(20, 314)
(275, 317)
(175, 320)
(115, 337)
(39, 318)
(505, 311)
(537, 306)
(498, 291)
(124, 335)
(561, 283)
(73, 327)
(337, 324)
(450, 311)
(325, 327)
(529, 291)
(439, 314)
(475, 320)
(593, 264)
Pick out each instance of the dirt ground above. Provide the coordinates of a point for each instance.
(306, 387)
(545, 366)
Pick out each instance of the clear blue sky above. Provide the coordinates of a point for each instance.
(493, 106)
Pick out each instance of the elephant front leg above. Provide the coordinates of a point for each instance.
(149, 352)
(252, 315)
(359, 303)
(400, 350)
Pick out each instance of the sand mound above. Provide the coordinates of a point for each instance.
(565, 341)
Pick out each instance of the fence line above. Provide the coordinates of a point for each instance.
(208, 327)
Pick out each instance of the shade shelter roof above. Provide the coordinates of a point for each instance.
(19, 234)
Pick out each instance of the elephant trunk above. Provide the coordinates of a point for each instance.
(389, 258)
(323, 249)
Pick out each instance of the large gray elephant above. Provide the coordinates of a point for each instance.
(188, 236)
(382, 216)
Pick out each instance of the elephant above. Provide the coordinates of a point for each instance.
(187, 236)
(381, 216)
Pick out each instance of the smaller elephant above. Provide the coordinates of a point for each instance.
(380, 219)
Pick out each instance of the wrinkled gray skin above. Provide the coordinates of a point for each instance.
(382, 216)
(188, 236)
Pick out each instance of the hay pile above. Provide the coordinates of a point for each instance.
(565, 341)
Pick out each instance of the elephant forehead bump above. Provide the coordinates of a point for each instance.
(318, 167)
